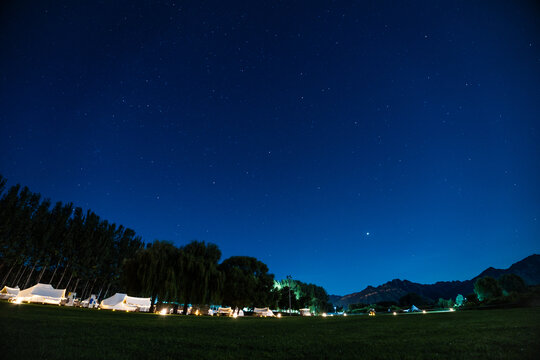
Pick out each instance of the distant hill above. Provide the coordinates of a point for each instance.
(333, 299)
(528, 269)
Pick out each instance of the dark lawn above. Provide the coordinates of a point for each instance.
(52, 332)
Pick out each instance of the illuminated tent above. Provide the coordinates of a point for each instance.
(238, 313)
(225, 311)
(305, 312)
(8, 292)
(71, 299)
(90, 303)
(414, 309)
(41, 293)
(263, 312)
(126, 303)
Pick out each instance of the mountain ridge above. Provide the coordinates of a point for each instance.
(527, 268)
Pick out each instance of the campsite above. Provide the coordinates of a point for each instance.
(52, 332)
(270, 179)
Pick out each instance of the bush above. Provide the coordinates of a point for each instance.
(471, 300)
(412, 299)
(443, 304)
(357, 306)
(510, 283)
(487, 288)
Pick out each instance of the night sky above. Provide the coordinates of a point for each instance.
(343, 144)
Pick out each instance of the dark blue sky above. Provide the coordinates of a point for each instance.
(345, 145)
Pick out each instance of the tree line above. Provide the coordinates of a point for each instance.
(75, 249)
(303, 296)
(192, 274)
(59, 244)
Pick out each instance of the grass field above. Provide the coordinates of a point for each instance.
(52, 332)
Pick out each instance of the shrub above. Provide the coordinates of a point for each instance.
(510, 283)
(487, 288)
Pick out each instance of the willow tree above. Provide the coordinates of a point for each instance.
(247, 282)
(153, 272)
(200, 280)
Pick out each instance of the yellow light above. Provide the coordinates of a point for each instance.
(344, 314)
(451, 309)
(18, 301)
(278, 315)
(423, 311)
(235, 315)
(163, 312)
(394, 313)
(323, 314)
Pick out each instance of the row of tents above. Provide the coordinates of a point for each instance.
(46, 294)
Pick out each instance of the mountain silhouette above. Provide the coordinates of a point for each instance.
(528, 269)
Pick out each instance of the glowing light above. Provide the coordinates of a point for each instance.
(18, 301)
(235, 315)
(344, 314)
(278, 315)
(452, 309)
(423, 311)
(163, 312)
(394, 313)
(323, 314)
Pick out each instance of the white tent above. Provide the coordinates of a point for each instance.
(263, 312)
(126, 303)
(90, 303)
(41, 293)
(225, 311)
(8, 292)
(71, 299)
(305, 312)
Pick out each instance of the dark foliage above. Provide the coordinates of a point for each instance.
(486, 288)
(302, 296)
(510, 283)
(59, 244)
(411, 299)
(247, 282)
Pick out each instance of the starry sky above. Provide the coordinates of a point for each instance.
(344, 143)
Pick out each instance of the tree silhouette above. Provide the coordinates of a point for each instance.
(487, 288)
(247, 282)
